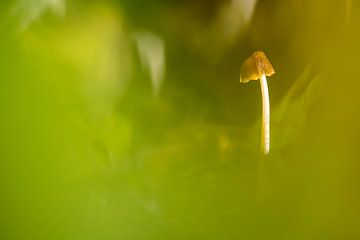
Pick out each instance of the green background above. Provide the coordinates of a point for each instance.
(89, 150)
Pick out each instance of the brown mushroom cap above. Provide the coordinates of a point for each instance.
(254, 66)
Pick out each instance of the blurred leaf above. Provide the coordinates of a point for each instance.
(289, 117)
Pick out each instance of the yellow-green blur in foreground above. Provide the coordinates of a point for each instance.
(126, 120)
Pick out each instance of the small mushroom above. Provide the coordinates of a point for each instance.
(258, 66)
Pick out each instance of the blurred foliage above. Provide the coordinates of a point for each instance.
(125, 120)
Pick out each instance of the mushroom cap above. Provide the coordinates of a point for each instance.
(255, 66)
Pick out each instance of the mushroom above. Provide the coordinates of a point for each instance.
(258, 66)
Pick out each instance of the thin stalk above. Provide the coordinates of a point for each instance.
(265, 129)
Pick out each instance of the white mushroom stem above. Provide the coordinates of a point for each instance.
(265, 130)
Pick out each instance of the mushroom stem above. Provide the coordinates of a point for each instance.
(255, 67)
(265, 130)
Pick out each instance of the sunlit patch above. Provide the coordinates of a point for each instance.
(224, 29)
(235, 16)
(152, 53)
(29, 10)
(95, 45)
